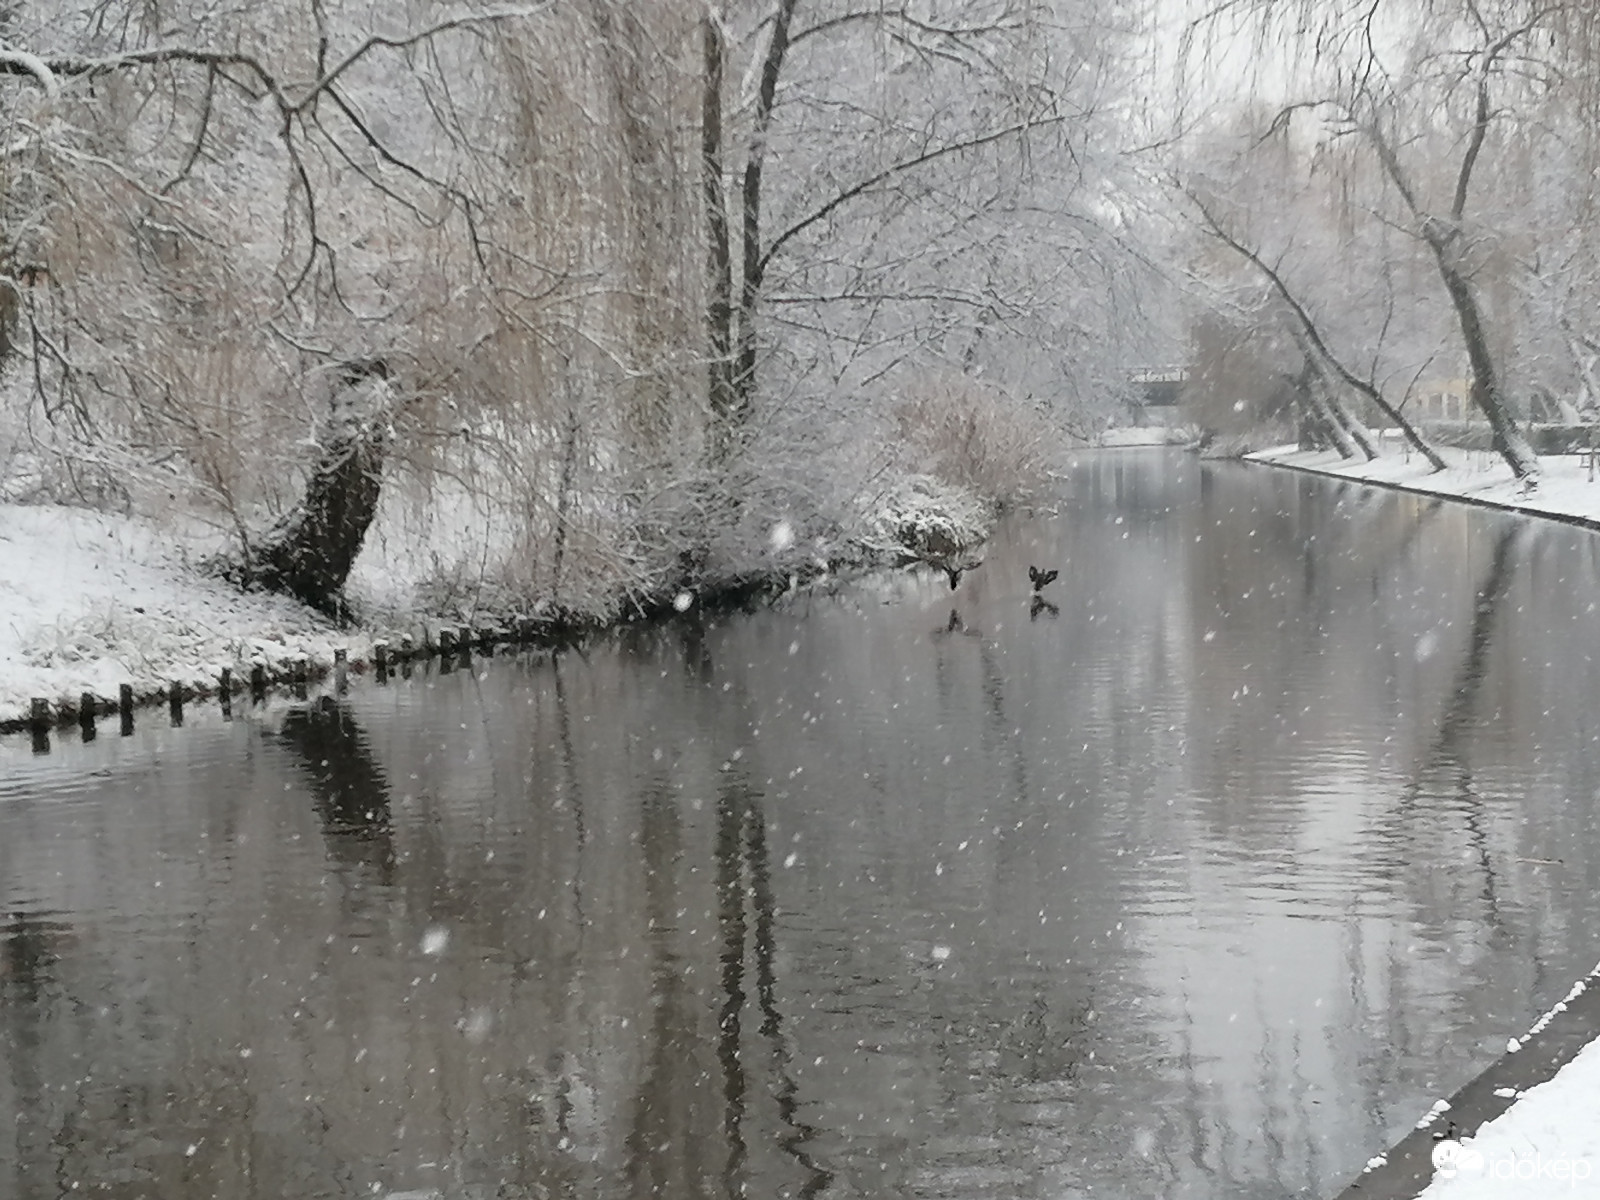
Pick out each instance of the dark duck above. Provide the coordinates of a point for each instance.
(1039, 578)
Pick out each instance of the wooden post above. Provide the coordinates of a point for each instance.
(39, 723)
(464, 645)
(225, 692)
(175, 702)
(341, 670)
(125, 708)
(86, 715)
(258, 682)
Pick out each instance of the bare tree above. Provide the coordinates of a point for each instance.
(1464, 108)
(1322, 360)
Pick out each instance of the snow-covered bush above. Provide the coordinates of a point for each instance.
(927, 517)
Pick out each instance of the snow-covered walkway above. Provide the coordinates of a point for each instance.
(1547, 1144)
(1526, 1128)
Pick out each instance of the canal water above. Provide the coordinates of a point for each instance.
(1203, 880)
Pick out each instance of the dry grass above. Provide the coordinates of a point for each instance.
(957, 429)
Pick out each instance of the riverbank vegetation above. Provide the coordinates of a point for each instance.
(559, 304)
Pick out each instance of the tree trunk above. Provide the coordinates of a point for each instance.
(310, 551)
(719, 263)
(1486, 388)
(1324, 420)
(1360, 437)
(1340, 428)
(752, 261)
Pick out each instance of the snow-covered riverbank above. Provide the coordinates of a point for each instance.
(1547, 1144)
(90, 601)
(1525, 1127)
(1568, 491)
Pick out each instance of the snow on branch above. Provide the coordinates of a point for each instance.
(20, 62)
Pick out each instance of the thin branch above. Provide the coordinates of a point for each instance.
(899, 168)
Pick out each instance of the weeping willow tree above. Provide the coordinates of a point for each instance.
(1468, 116)
(211, 218)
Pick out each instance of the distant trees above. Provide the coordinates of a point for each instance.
(1454, 123)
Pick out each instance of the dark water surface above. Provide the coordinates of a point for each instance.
(1203, 885)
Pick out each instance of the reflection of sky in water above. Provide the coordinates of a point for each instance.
(1204, 881)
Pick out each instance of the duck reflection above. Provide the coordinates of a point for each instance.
(954, 626)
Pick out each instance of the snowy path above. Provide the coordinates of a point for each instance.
(1547, 1144)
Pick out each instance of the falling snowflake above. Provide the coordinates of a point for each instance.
(435, 940)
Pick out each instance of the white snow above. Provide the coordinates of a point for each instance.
(435, 941)
(1146, 435)
(1546, 1144)
(1565, 488)
(89, 601)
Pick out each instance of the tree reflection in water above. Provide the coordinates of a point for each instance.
(348, 788)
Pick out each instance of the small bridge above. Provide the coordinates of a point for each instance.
(1161, 387)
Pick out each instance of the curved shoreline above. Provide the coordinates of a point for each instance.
(1563, 497)
(366, 650)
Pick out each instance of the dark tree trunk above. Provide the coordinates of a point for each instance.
(1324, 405)
(1487, 392)
(1351, 430)
(719, 261)
(310, 551)
(753, 264)
(1445, 238)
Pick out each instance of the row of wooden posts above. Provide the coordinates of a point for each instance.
(452, 646)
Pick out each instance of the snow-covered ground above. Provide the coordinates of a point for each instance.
(1568, 487)
(90, 601)
(1547, 1144)
(1146, 435)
